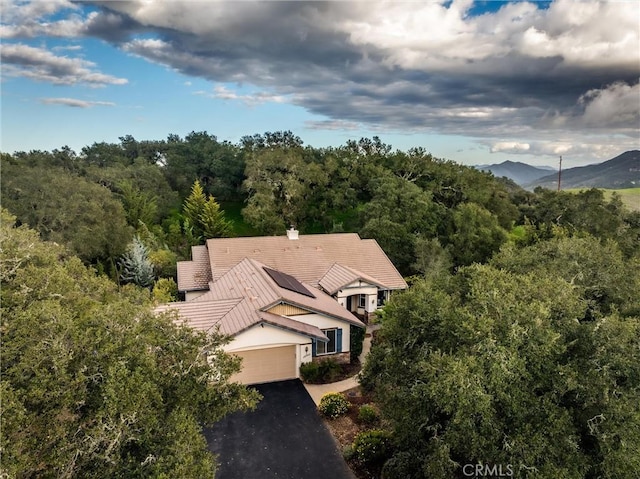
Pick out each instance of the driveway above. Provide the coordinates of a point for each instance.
(283, 438)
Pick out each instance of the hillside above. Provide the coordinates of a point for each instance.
(521, 173)
(623, 171)
(630, 197)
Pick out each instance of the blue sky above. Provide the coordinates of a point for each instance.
(474, 82)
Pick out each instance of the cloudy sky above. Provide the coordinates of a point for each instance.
(475, 82)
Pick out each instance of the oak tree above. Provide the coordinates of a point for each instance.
(94, 384)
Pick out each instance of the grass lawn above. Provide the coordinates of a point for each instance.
(233, 212)
(630, 196)
(347, 220)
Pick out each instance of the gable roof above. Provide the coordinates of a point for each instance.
(308, 258)
(340, 276)
(250, 280)
(239, 298)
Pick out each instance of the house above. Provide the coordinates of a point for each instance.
(286, 300)
(355, 271)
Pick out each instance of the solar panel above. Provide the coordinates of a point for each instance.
(287, 281)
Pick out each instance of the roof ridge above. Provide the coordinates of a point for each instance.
(335, 263)
(203, 298)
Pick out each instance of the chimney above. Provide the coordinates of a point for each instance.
(292, 233)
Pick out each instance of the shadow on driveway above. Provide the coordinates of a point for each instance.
(284, 438)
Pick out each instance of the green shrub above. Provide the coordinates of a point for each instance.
(329, 370)
(367, 414)
(165, 290)
(324, 371)
(405, 464)
(372, 448)
(348, 452)
(310, 372)
(356, 339)
(333, 405)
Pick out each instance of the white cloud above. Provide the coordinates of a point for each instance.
(41, 65)
(332, 125)
(432, 36)
(510, 147)
(559, 77)
(18, 11)
(73, 102)
(616, 105)
(27, 19)
(220, 92)
(590, 33)
(576, 149)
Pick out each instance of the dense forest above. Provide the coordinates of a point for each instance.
(517, 343)
(416, 206)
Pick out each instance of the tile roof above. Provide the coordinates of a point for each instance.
(236, 301)
(195, 275)
(308, 258)
(203, 315)
(339, 276)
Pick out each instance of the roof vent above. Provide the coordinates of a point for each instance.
(292, 233)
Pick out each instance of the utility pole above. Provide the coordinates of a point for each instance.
(560, 173)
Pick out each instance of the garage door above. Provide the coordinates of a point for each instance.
(266, 365)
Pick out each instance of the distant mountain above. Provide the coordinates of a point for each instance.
(521, 173)
(623, 171)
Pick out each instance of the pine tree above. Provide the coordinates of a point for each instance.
(212, 220)
(136, 267)
(194, 206)
(203, 216)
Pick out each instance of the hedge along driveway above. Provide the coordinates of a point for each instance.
(284, 437)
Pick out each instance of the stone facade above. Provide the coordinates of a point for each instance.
(341, 358)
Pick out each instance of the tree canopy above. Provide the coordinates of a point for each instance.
(517, 343)
(95, 201)
(67, 209)
(94, 384)
(516, 364)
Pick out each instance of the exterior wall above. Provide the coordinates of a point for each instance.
(371, 303)
(258, 337)
(356, 289)
(189, 295)
(323, 322)
(304, 354)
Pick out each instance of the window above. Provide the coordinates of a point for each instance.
(362, 301)
(383, 296)
(331, 346)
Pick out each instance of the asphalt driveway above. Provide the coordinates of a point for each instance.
(283, 438)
